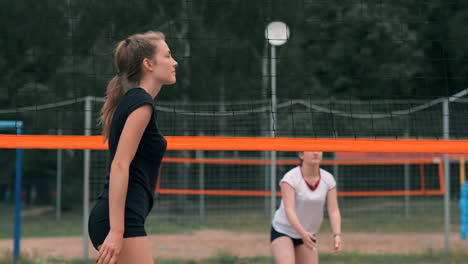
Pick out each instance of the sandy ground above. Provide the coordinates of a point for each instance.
(206, 243)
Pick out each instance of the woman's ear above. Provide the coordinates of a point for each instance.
(300, 154)
(147, 64)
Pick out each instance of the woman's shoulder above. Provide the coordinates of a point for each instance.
(132, 99)
(294, 172)
(135, 97)
(292, 176)
(137, 93)
(327, 177)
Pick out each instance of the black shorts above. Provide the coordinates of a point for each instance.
(296, 241)
(99, 226)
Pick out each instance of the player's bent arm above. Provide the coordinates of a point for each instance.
(334, 211)
(132, 132)
(289, 200)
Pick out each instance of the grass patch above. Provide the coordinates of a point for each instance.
(358, 215)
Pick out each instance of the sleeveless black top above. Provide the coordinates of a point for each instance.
(145, 165)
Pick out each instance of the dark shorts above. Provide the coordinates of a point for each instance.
(99, 226)
(296, 241)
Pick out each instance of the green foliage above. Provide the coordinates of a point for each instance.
(357, 49)
(341, 49)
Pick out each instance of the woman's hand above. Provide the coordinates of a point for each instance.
(110, 250)
(336, 243)
(309, 240)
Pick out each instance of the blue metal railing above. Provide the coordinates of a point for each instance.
(18, 125)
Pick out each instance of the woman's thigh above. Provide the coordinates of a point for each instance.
(306, 255)
(283, 250)
(136, 250)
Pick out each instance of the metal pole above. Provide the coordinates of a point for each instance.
(201, 184)
(58, 198)
(18, 198)
(266, 154)
(336, 170)
(335, 166)
(446, 136)
(407, 185)
(272, 132)
(87, 154)
(18, 188)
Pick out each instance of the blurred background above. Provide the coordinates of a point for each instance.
(349, 69)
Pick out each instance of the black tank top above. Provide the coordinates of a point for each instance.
(145, 165)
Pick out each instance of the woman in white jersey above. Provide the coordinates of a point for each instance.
(304, 191)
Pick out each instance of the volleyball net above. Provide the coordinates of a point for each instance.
(226, 168)
(222, 167)
(410, 134)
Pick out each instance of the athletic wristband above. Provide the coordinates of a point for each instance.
(335, 235)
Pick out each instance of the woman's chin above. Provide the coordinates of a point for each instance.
(314, 162)
(169, 82)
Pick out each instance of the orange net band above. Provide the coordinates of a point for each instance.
(248, 144)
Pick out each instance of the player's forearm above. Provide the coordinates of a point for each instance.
(118, 186)
(335, 221)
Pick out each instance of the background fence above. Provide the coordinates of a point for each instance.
(393, 193)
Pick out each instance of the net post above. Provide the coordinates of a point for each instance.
(58, 195)
(273, 126)
(201, 183)
(446, 136)
(87, 154)
(18, 198)
(407, 184)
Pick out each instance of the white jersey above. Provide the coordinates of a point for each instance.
(309, 203)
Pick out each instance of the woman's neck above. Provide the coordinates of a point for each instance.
(150, 86)
(310, 171)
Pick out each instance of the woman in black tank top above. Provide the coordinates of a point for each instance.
(116, 223)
